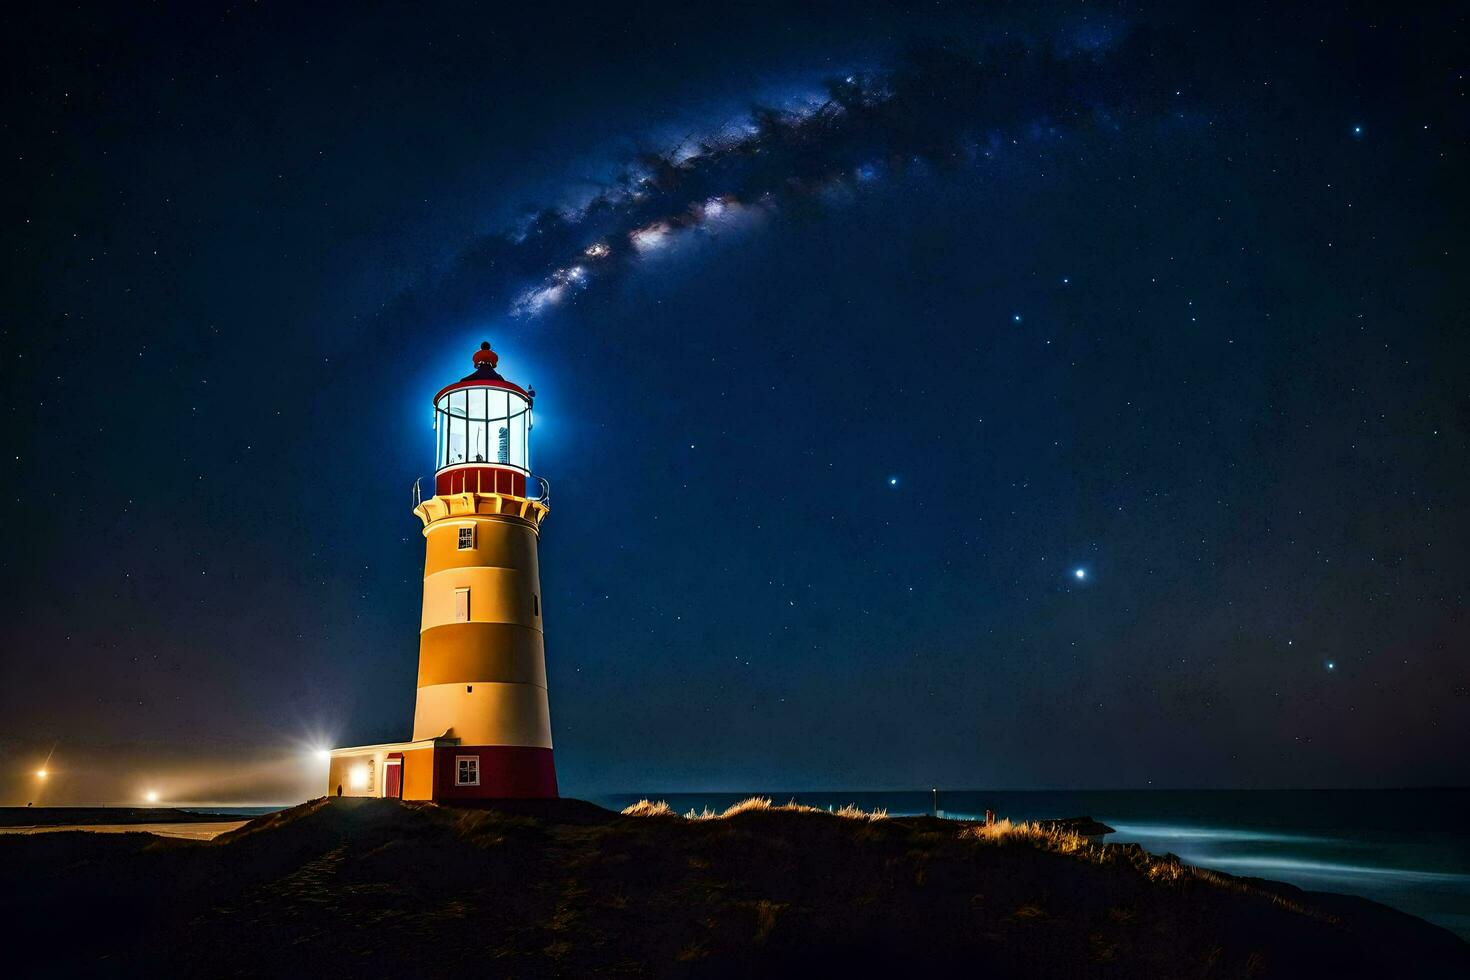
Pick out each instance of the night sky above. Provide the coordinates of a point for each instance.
(966, 397)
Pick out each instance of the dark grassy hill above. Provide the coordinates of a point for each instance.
(379, 888)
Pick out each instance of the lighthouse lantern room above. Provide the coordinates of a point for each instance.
(482, 428)
(482, 724)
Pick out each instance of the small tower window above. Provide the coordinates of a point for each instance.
(461, 605)
(466, 770)
(535, 604)
(466, 538)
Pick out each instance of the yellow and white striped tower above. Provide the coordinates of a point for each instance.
(482, 663)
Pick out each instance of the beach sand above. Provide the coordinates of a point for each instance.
(187, 831)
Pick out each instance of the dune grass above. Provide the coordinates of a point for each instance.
(648, 808)
(661, 808)
(1165, 870)
(1031, 832)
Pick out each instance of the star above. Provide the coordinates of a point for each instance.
(1331, 665)
(893, 481)
(1080, 574)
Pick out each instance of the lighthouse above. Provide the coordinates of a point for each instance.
(482, 721)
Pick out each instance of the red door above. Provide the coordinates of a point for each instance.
(394, 776)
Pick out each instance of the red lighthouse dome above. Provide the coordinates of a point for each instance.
(485, 357)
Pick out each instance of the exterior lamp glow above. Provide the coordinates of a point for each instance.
(151, 796)
(324, 755)
(42, 774)
(359, 777)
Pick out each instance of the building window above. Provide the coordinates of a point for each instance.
(461, 605)
(535, 604)
(466, 770)
(466, 538)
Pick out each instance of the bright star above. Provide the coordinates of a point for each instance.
(1081, 573)
(1357, 130)
(893, 481)
(1332, 665)
(1016, 317)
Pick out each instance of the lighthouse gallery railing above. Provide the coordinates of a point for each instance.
(543, 491)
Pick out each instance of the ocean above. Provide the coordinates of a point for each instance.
(1406, 848)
